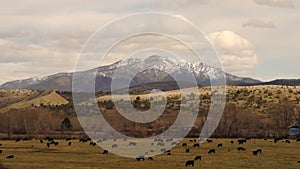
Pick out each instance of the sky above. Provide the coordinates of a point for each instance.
(254, 38)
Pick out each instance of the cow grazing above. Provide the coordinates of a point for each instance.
(184, 145)
(196, 145)
(132, 144)
(150, 158)
(189, 163)
(105, 152)
(93, 144)
(254, 153)
(83, 140)
(140, 158)
(160, 144)
(48, 145)
(288, 141)
(41, 141)
(197, 158)
(10, 156)
(220, 145)
(1, 151)
(69, 143)
(187, 150)
(232, 142)
(242, 141)
(68, 139)
(259, 151)
(169, 153)
(0, 144)
(25, 139)
(18, 139)
(114, 146)
(298, 140)
(241, 149)
(56, 143)
(169, 140)
(209, 141)
(212, 151)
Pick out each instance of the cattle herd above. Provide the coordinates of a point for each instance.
(187, 147)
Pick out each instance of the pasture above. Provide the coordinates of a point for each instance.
(33, 154)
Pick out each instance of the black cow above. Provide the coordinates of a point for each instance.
(160, 144)
(41, 141)
(187, 150)
(150, 158)
(18, 139)
(48, 145)
(220, 145)
(1, 151)
(232, 142)
(184, 145)
(68, 139)
(140, 158)
(189, 163)
(276, 140)
(197, 158)
(169, 140)
(169, 153)
(212, 151)
(105, 152)
(0, 144)
(298, 140)
(242, 141)
(288, 141)
(25, 139)
(241, 149)
(196, 145)
(56, 143)
(254, 152)
(132, 144)
(69, 143)
(10, 156)
(209, 141)
(83, 140)
(259, 151)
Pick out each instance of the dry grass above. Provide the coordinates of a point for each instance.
(45, 98)
(81, 155)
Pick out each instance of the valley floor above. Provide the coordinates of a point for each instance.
(33, 154)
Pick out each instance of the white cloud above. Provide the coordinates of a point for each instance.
(237, 54)
(276, 3)
(259, 23)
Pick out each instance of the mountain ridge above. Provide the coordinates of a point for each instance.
(154, 69)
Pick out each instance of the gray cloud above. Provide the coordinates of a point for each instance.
(276, 3)
(259, 23)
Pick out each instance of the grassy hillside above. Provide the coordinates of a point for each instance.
(35, 100)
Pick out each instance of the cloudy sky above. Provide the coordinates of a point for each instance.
(256, 38)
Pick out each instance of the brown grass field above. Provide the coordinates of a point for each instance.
(32, 155)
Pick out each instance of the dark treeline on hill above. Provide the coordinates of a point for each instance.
(253, 111)
(50, 120)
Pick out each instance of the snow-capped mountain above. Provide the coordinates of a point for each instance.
(153, 69)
